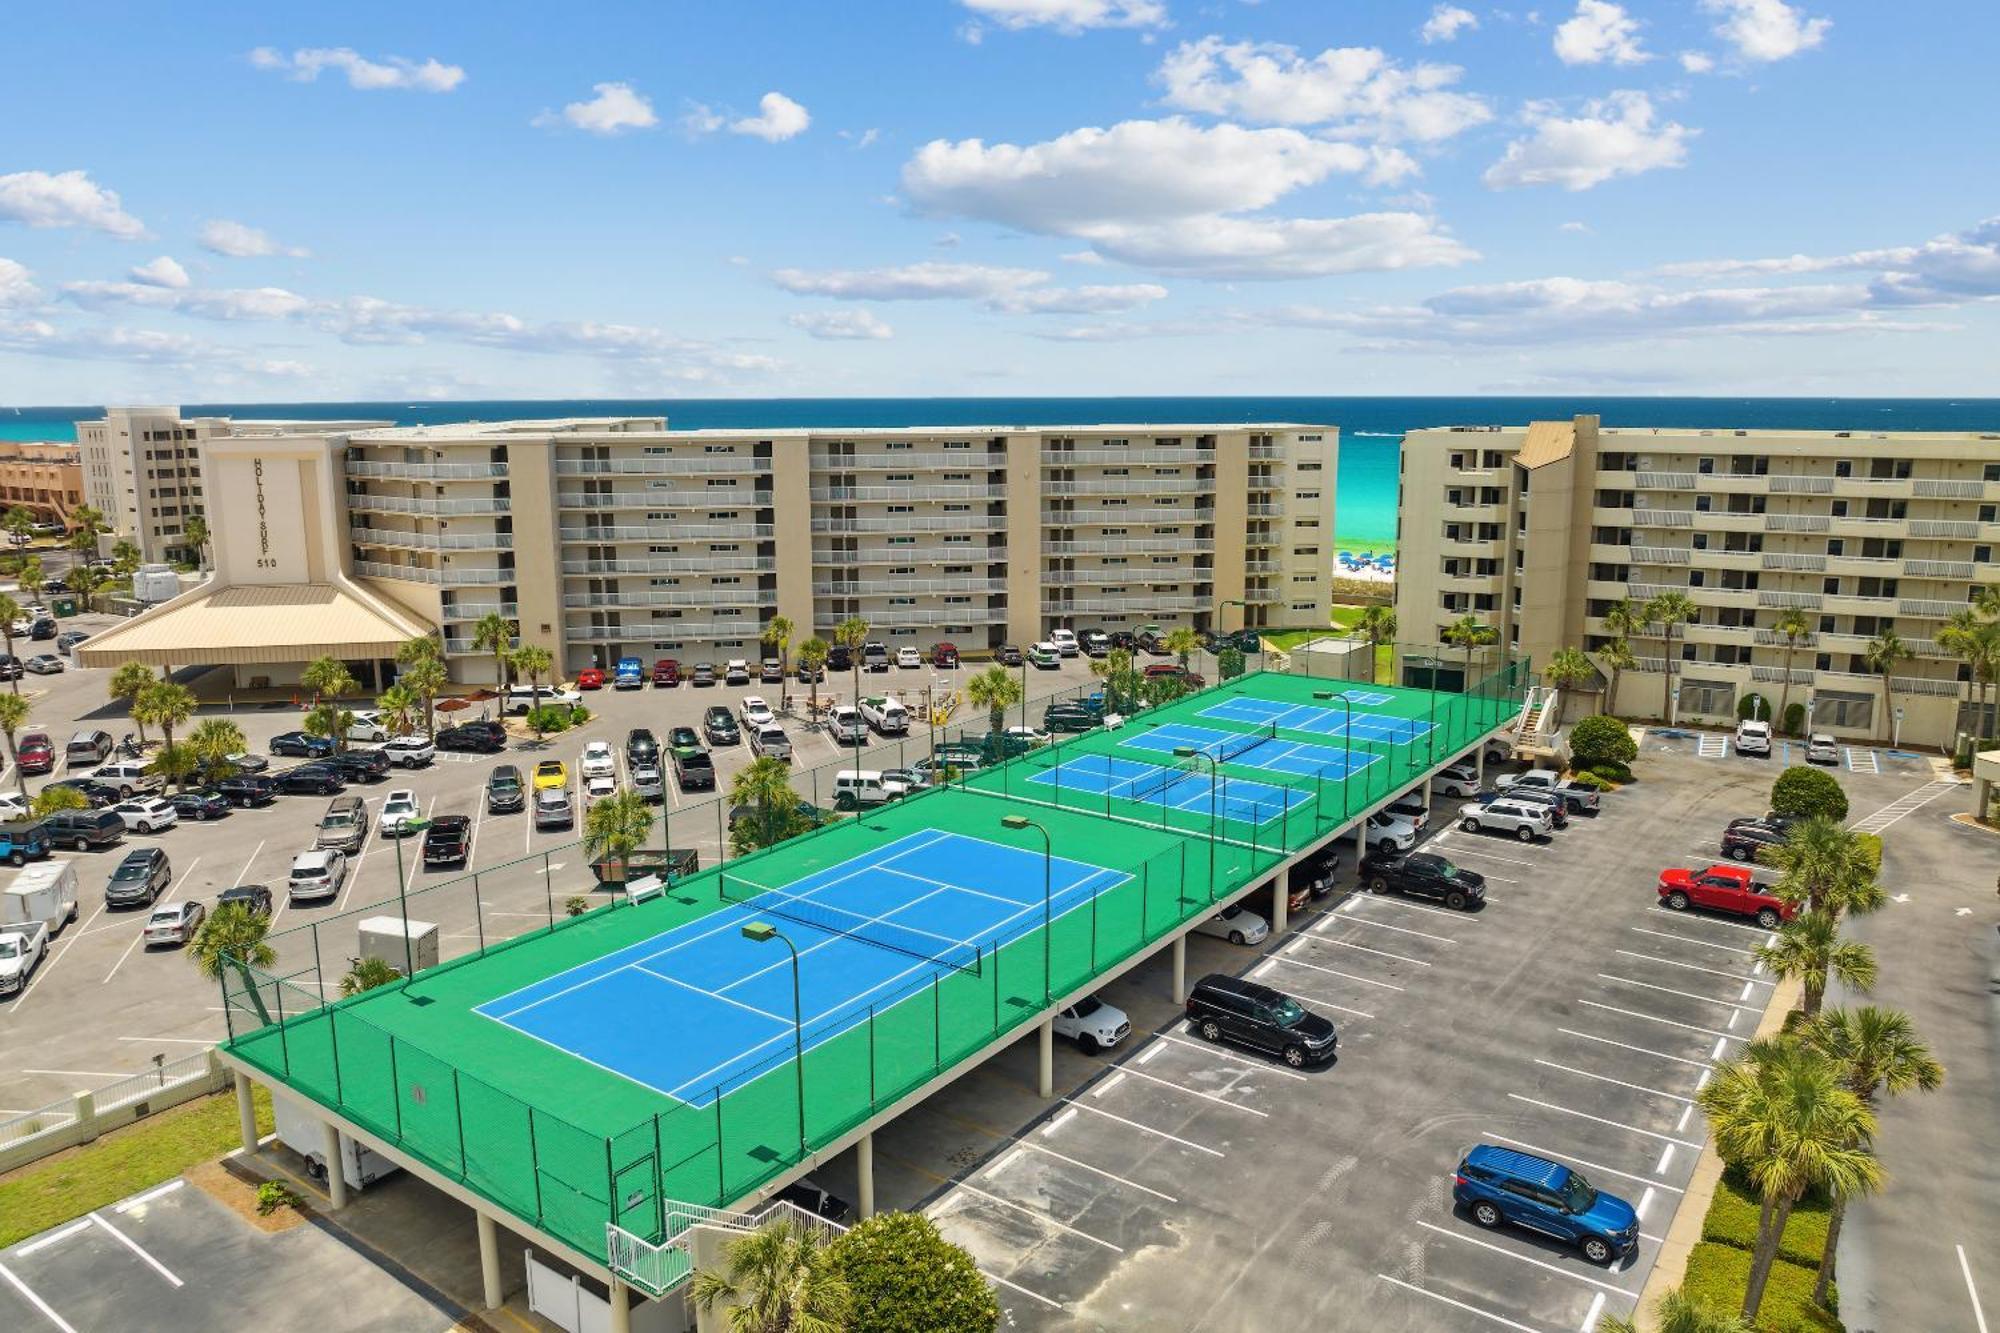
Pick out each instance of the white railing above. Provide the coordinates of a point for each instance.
(1802, 485)
(433, 541)
(1804, 601)
(1928, 608)
(661, 466)
(1127, 486)
(976, 459)
(1770, 638)
(667, 531)
(400, 504)
(907, 587)
(428, 471)
(662, 631)
(899, 493)
(728, 497)
(908, 555)
(380, 569)
(1805, 564)
(1090, 518)
(676, 564)
(1949, 490)
(1949, 689)
(658, 1268)
(914, 523)
(29, 1135)
(1147, 457)
(1149, 545)
(480, 610)
(1775, 675)
(1938, 569)
(1663, 518)
(917, 617)
(1663, 481)
(1165, 602)
(1796, 522)
(725, 597)
(1661, 555)
(1943, 527)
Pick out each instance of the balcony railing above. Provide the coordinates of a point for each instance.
(722, 597)
(1943, 527)
(1163, 604)
(667, 531)
(1663, 481)
(1802, 485)
(900, 493)
(676, 564)
(1148, 545)
(1770, 638)
(667, 466)
(1643, 517)
(1776, 675)
(403, 504)
(450, 577)
(433, 541)
(914, 523)
(1803, 601)
(913, 555)
(1149, 574)
(1255, 510)
(1091, 518)
(428, 471)
(1928, 608)
(1938, 569)
(1802, 564)
(907, 587)
(731, 497)
(1795, 522)
(1933, 489)
(664, 631)
(1127, 486)
(1145, 457)
(977, 460)
(458, 610)
(904, 617)
(1661, 555)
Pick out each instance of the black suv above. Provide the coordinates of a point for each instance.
(473, 738)
(1746, 839)
(504, 790)
(311, 780)
(839, 658)
(256, 897)
(359, 765)
(1010, 655)
(641, 747)
(1423, 875)
(83, 830)
(1244, 1013)
(247, 789)
(448, 841)
(139, 879)
(719, 726)
(199, 804)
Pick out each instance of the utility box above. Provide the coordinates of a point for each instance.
(155, 583)
(384, 938)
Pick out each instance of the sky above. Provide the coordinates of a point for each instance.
(789, 198)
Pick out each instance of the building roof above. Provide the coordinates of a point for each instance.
(656, 428)
(1547, 442)
(249, 624)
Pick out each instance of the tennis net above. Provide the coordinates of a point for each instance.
(1151, 785)
(1242, 745)
(907, 940)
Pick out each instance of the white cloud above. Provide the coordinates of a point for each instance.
(228, 304)
(1581, 228)
(778, 118)
(244, 242)
(700, 119)
(1081, 257)
(947, 240)
(1356, 90)
(397, 72)
(65, 199)
(1697, 62)
(1068, 16)
(162, 272)
(16, 284)
(862, 138)
(1278, 248)
(1952, 269)
(1446, 22)
(1600, 31)
(1766, 30)
(37, 337)
(841, 325)
(1616, 136)
(1010, 291)
(616, 108)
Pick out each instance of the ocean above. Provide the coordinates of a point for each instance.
(1370, 428)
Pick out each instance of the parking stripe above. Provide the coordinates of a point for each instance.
(1086, 1166)
(1322, 1001)
(1615, 1124)
(1684, 994)
(1401, 930)
(1459, 1305)
(141, 933)
(1388, 900)
(1205, 1096)
(1458, 850)
(1261, 1065)
(1569, 1157)
(1286, 957)
(53, 1238)
(1589, 1324)
(1603, 1078)
(1654, 1018)
(29, 1295)
(1643, 1050)
(137, 1249)
(1700, 944)
(1032, 1295)
(1557, 1269)
(1362, 948)
(1712, 971)
(1161, 1133)
(1040, 1217)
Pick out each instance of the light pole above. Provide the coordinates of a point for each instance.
(1017, 823)
(1346, 737)
(1214, 777)
(403, 901)
(761, 931)
(1673, 702)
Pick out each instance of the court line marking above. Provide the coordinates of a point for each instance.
(1567, 1157)
(1684, 994)
(1095, 1170)
(1161, 1133)
(714, 995)
(1693, 967)
(1460, 1305)
(1205, 1096)
(28, 1293)
(1231, 1055)
(1039, 1216)
(1285, 956)
(1615, 1124)
(1604, 1078)
(137, 1249)
(1545, 1266)
(1643, 1050)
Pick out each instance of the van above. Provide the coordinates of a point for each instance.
(88, 747)
(854, 787)
(1753, 737)
(344, 826)
(132, 777)
(44, 893)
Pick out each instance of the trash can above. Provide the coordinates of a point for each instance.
(65, 606)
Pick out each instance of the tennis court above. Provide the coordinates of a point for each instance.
(1296, 758)
(698, 1006)
(1174, 788)
(1323, 721)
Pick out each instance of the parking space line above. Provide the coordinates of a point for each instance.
(1595, 1166)
(1700, 944)
(1108, 1084)
(1230, 1055)
(1590, 1316)
(1386, 900)
(29, 1295)
(1666, 1157)
(1643, 1050)
(1031, 1295)
(1205, 1096)
(1712, 971)
(1978, 1314)
(1286, 957)
(1457, 850)
(1684, 994)
(1363, 948)
(140, 934)
(1615, 1124)
(137, 1249)
(1401, 930)
(150, 1195)
(1316, 999)
(53, 1238)
(1654, 1018)
(1086, 1166)
(1732, 927)
(1040, 1216)
(1161, 1133)
(1545, 1266)
(1604, 1078)
(1459, 1305)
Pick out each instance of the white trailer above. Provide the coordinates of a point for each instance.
(44, 892)
(305, 1134)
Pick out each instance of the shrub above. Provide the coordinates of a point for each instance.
(906, 1278)
(1752, 705)
(1803, 792)
(1229, 663)
(1717, 1276)
(1795, 719)
(1602, 739)
(1732, 1220)
(1614, 773)
(1871, 844)
(549, 719)
(273, 1195)
(576, 906)
(1590, 781)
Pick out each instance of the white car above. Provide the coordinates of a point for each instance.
(597, 786)
(648, 782)
(599, 761)
(13, 806)
(1822, 749)
(1092, 1024)
(317, 874)
(175, 923)
(367, 728)
(756, 714)
(1460, 779)
(146, 814)
(1524, 820)
(1032, 735)
(1391, 831)
(1753, 737)
(402, 812)
(909, 657)
(410, 751)
(736, 671)
(1238, 925)
(1065, 641)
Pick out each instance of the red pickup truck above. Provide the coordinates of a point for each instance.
(1723, 888)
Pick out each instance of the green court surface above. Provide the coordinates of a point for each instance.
(569, 1144)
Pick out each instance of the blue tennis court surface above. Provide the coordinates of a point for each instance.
(1299, 758)
(1322, 721)
(1236, 798)
(698, 1007)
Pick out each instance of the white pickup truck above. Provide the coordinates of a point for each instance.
(844, 724)
(21, 950)
(885, 714)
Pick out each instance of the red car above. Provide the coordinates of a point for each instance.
(1723, 888)
(37, 753)
(1191, 679)
(590, 678)
(944, 655)
(666, 672)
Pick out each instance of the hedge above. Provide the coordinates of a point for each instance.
(1802, 792)
(1589, 781)
(1719, 1274)
(1752, 705)
(1615, 773)
(1795, 719)
(1732, 1220)
(1601, 739)
(907, 1278)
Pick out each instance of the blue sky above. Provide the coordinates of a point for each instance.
(1006, 197)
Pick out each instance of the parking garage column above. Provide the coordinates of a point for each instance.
(246, 1112)
(489, 1260)
(864, 1167)
(1180, 969)
(1479, 767)
(1360, 841)
(336, 1167)
(1281, 900)
(619, 1298)
(1046, 1082)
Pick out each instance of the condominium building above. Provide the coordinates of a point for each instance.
(610, 537)
(44, 476)
(1539, 530)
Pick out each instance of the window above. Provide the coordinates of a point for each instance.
(902, 476)
(905, 541)
(1308, 467)
(709, 449)
(718, 481)
(1843, 468)
(1839, 509)
(1836, 546)
(1706, 467)
(902, 509)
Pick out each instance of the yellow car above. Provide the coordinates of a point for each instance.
(551, 773)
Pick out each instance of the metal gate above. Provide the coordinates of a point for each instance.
(635, 1197)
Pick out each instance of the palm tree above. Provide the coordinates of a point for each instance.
(766, 788)
(328, 677)
(1783, 1115)
(1568, 669)
(777, 1279)
(1121, 680)
(1378, 626)
(231, 939)
(395, 707)
(85, 580)
(14, 712)
(166, 703)
(195, 533)
(812, 661)
(1469, 632)
(1183, 643)
(424, 677)
(1878, 1052)
(1670, 611)
(1824, 867)
(126, 683)
(777, 635)
(213, 740)
(1676, 1312)
(19, 522)
(533, 661)
(616, 827)
(495, 633)
(49, 800)
(125, 557)
(10, 611)
(995, 689)
(850, 634)
(1809, 948)
(1794, 626)
(330, 720)
(32, 574)
(1964, 635)
(174, 763)
(366, 974)
(85, 523)
(1881, 654)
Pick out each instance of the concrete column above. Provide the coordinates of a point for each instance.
(1180, 969)
(1046, 1044)
(246, 1112)
(489, 1260)
(1479, 764)
(864, 1168)
(621, 1307)
(1360, 840)
(336, 1172)
(1281, 901)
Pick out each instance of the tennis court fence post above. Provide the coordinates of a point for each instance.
(871, 1056)
(333, 1052)
(549, 887)
(721, 836)
(534, 1159)
(395, 1088)
(319, 969)
(721, 1173)
(937, 1027)
(478, 914)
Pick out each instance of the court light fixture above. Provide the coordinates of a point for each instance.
(1019, 823)
(759, 931)
(1015, 822)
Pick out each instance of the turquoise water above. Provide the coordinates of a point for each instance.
(1370, 428)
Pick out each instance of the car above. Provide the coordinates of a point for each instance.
(809, 674)
(1069, 718)
(599, 760)
(551, 775)
(131, 777)
(1579, 799)
(771, 742)
(719, 726)
(693, 769)
(1092, 1024)
(909, 777)
(1151, 639)
(1458, 779)
(10, 667)
(359, 765)
(367, 728)
(473, 738)
(908, 659)
(647, 782)
(704, 674)
(736, 671)
(771, 671)
(1753, 737)
(317, 875)
(807, 1194)
(874, 656)
(301, 745)
(22, 841)
(1725, 888)
(147, 814)
(1244, 1013)
(311, 780)
(685, 738)
(200, 805)
(448, 841)
(755, 713)
(70, 639)
(13, 805)
(43, 664)
(1423, 875)
(174, 923)
(410, 751)
(1521, 819)
(1044, 657)
(1551, 801)
(36, 754)
(1125, 639)
(944, 656)
(641, 747)
(1391, 831)
(1010, 655)
(839, 658)
(590, 678)
(1238, 925)
(597, 786)
(553, 808)
(83, 830)
(505, 792)
(140, 878)
(1095, 643)
(666, 673)
(1498, 1185)
(1747, 839)
(1190, 680)
(1822, 749)
(937, 770)
(1028, 738)
(245, 762)
(99, 794)
(806, 811)
(1065, 641)
(247, 789)
(401, 813)
(254, 898)
(525, 698)
(629, 675)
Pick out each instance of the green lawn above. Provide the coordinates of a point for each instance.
(45, 1194)
(1344, 620)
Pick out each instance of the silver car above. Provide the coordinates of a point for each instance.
(317, 875)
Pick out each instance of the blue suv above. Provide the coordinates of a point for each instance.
(1500, 1185)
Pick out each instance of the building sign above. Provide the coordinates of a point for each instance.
(256, 508)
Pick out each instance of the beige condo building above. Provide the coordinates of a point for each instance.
(1538, 530)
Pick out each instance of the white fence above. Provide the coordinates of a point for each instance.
(35, 1134)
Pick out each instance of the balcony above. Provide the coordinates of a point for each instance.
(913, 555)
(428, 471)
(1867, 606)
(723, 597)
(1126, 486)
(664, 631)
(1119, 517)
(1150, 457)
(914, 523)
(1928, 609)
(1960, 529)
(901, 493)
(729, 497)
(1798, 564)
(1776, 675)
(1645, 517)
(1266, 451)
(977, 460)
(458, 646)
(1158, 604)
(1795, 522)
(1655, 555)
(1663, 481)
(667, 531)
(896, 587)
(676, 564)
(1931, 489)
(1148, 545)
(453, 576)
(403, 504)
(1938, 569)
(691, 465)
(1801, 485)
(433, 541)
(458, 610)
(1801, 601)
(1255, 510)
(1262, 567)
(1770, 638)
(904, 617)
